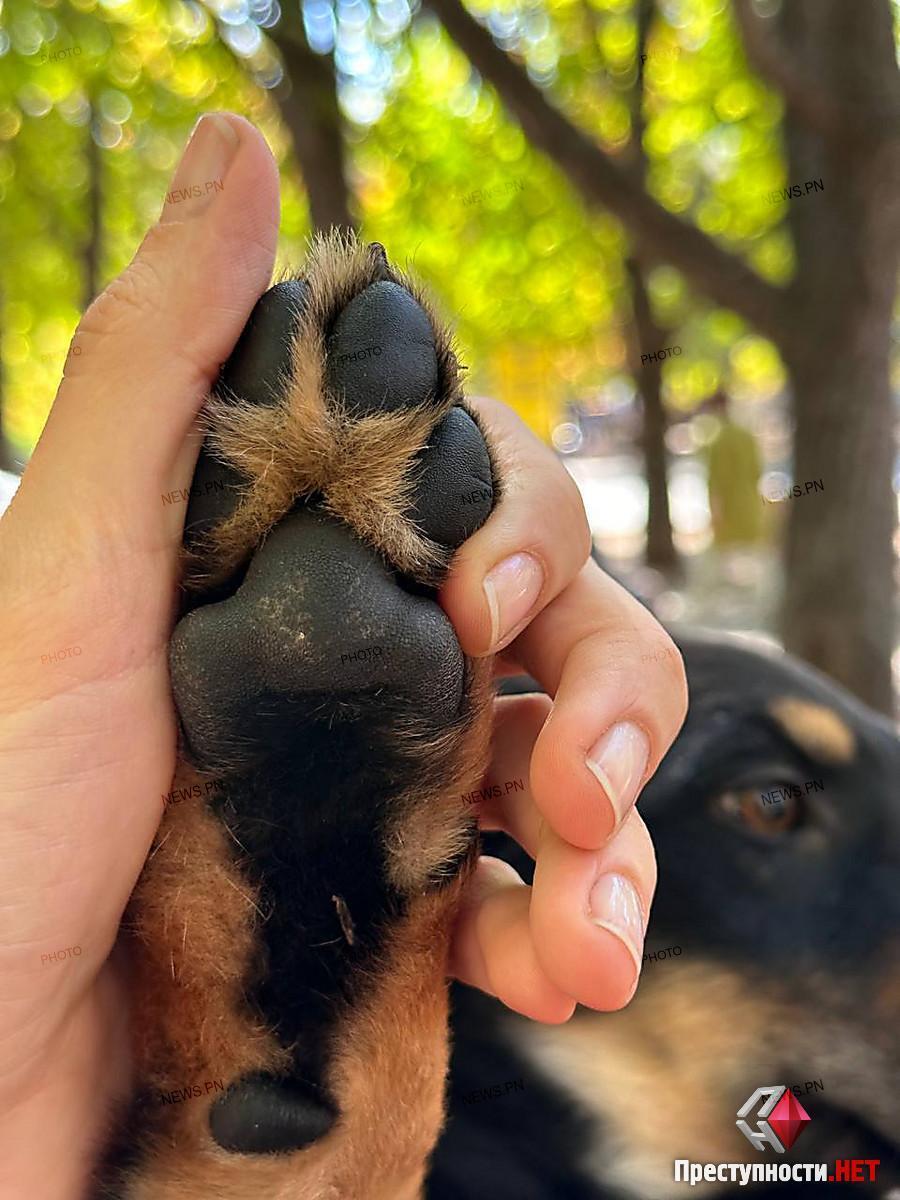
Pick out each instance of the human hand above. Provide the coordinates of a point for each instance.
(90, 554)
(524, 584)
(87, 727)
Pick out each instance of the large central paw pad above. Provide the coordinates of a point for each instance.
(332, 615)
(319, 630)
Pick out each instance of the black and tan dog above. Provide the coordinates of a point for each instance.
(776, 930)
(289, 933)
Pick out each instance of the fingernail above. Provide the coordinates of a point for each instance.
(511, 590)
(200, 175)
(619, 760)
(615, 906)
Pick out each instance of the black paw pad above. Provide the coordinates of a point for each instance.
(318, 630)
(254, 372)
(262, 355)
(381, 352)
(263, 1115)
(454, 494)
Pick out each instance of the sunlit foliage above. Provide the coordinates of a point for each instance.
(533, 282)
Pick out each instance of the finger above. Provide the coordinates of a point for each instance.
(149, 346)
(505, 799)
(493, 948)
(589, 914)
(620, 697)
(531, 546)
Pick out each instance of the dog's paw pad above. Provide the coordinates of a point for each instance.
(319, 631)
(381, 354)
(257, 366)
(454, 491)
(260, 1114)
(257, 372)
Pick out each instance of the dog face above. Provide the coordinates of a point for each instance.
(773, 952)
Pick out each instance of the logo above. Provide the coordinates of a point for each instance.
(784, 1118)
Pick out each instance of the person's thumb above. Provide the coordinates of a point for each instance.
(142, 360)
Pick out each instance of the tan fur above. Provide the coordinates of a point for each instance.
(664, 1074)
(308, 443)
(387, 1074)
(193, 915)
(817, 730)
(428, 834)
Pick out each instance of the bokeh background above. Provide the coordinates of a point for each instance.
(581, 184)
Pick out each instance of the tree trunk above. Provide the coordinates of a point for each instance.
(648, 339)
(838, 608)
(93, 245)
(7, 462)
(834, 65)
(309, 108)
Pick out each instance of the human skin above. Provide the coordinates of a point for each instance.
(89, 558)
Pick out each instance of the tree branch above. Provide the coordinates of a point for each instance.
(809, 102)
(310, 111)
(660, 235)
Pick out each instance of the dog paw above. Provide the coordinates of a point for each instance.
(292, 921)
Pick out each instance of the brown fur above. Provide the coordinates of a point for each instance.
(194, 915)
(661, 1073)
(387, 1074)
(817, 730)
(308, 443)
(427, 835)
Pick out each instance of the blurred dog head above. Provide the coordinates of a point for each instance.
(773, 952)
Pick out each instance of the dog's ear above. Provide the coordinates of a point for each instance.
(290, 929)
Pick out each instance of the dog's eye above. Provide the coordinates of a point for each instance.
(778, 810)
